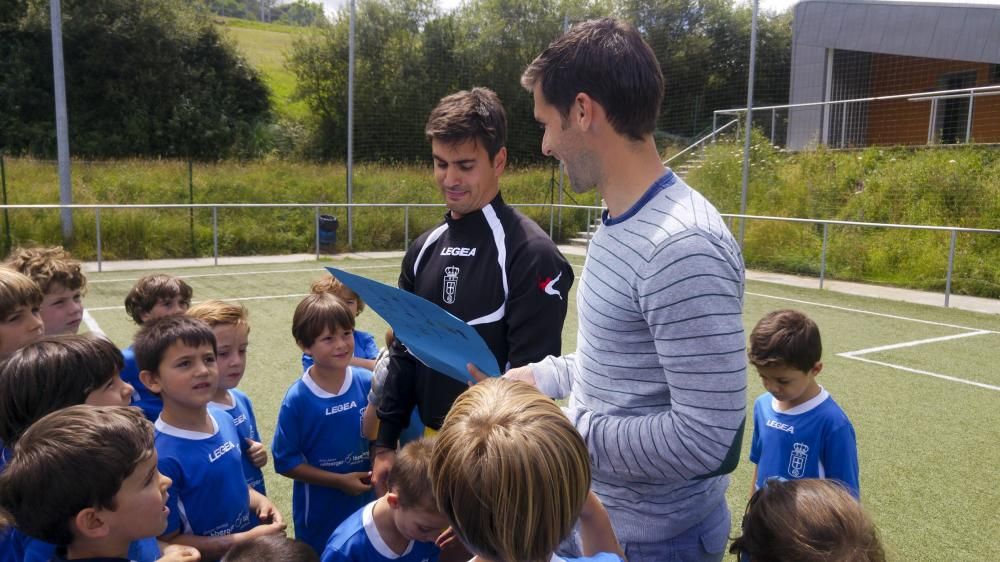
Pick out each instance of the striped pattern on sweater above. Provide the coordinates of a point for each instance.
(657, 384)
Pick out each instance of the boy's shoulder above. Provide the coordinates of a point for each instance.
(350, 534)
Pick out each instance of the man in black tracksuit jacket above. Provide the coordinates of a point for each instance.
(487, 264)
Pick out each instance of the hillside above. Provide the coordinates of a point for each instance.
(265, 46)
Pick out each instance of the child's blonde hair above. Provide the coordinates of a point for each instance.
(47, 267)
(410, 476)
(220, 313)
(333, 286)
(17, 289)
(510, 471)
(808, 520)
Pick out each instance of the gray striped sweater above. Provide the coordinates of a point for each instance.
(657, 384)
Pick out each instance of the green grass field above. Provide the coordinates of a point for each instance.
(927, 445)
(265, 47)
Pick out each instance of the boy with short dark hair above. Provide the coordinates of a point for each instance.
(85, 478)
(365, 348)
(318, 440)
(400, 526)
(62, 282)
(199, 446)
(55, 373)
(231, 326)
(798, 429)
(20, 318)
(153, 296)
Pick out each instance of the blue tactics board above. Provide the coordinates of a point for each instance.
(436, 337)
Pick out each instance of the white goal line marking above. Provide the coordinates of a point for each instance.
(919, 372)
(881, 314)
(912, 343)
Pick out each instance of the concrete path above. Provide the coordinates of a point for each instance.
(975, 304)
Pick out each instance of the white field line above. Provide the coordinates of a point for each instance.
(92, 324)
(912, 343)
(234, 274)
(859, 311)
(919, 372)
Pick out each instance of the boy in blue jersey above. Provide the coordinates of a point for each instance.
(365, 348)
(512, 475)
(85, 479)
(798, 430)
(153, 296)
(212, 508)
(318, 441)
(53, 373)
(400, 526)
(231, 327)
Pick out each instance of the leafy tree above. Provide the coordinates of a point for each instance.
(142, 78)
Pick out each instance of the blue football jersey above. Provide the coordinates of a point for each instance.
(358, 540)
(151, 404)
(209, 495)
(246, 425)
(323, 429)
(812, 440)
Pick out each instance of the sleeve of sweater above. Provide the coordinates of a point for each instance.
(690, 295)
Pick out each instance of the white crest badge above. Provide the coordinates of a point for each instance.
(797, 461)
(450, 284)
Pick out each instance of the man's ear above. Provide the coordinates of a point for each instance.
(90, 524)
(500, 161)
(582, 112)
(151, 380)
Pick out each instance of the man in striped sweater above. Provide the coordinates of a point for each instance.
(657, 385)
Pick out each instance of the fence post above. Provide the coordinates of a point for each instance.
(715, 124)
(951, 265)
(843, 125)
(316, 208)
(6, 215)
(215, 234)
(930, 123)
(97, 216)
(772, 125)
(968, 123)
(406, 227)
(194, 249)
(588, 227)
(822, 258)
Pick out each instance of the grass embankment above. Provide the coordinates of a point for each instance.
(940, 186)
(163, 233)
(265, 46)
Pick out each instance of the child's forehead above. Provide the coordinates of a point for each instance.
(181, 347)
(240, 329)
(779, 371)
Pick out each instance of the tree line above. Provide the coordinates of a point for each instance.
(157, 78)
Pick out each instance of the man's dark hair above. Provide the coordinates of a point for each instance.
(71, 460)
(155, 337)
(609, 61)
(475, 114)
(786, 338)
(51, 374)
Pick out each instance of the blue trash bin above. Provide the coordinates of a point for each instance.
(328, 225)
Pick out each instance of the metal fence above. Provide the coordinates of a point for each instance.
(592, 211)
(846, 123)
